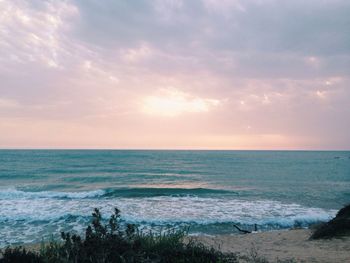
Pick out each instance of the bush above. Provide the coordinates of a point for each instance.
(19, 255)
(337, 227)
(114, 243)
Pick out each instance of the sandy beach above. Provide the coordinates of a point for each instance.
(283, 245)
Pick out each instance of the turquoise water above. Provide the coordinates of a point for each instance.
(43, 192)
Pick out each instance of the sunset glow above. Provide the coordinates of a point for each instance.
(175, 74)
(174, 103)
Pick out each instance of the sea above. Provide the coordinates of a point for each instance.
(44, 192)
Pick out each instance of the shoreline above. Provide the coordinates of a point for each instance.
(281, 244)
(293, 244)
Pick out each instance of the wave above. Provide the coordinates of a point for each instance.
(153, 192)
(157, 209)
(19, 194)
(29, 215)
(110, 193)
(47, 226)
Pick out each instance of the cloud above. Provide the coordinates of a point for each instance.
(224, 7)
(35, 32)
(8, 103)
(133, 55)
(280, 68)
(321, 94)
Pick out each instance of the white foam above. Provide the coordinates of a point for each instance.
(18, 194)
(27, 218)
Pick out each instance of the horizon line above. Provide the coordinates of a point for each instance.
(170, 149)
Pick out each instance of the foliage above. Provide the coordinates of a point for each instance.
(19, 255)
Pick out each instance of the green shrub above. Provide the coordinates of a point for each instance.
(19, 255)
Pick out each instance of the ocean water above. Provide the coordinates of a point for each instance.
(44, 192)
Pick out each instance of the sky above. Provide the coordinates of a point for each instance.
(175, 74)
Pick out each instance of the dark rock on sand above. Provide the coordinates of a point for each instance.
(337, 227)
